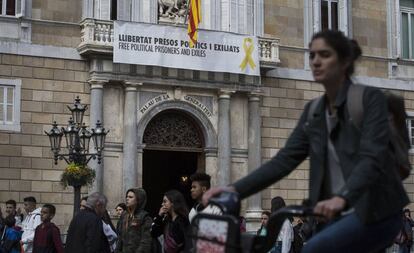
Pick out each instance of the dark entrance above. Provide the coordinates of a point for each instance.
(166, 170)
(172, 153)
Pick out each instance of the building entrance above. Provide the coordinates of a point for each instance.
(173, 152)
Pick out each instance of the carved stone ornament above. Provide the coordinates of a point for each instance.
(172, 129)
(172, 11)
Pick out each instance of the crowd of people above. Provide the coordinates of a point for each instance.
(136, 231)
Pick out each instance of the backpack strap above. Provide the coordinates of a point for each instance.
(355, 104)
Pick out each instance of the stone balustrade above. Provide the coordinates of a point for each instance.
(97, 36)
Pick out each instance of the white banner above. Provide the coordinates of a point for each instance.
(167, 46)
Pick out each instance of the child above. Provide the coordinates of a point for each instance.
(47, 235)
(12, 236)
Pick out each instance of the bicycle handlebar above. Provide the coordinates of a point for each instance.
(229, 203)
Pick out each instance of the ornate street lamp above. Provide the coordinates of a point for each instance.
(77, 142)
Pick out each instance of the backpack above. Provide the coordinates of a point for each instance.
(397, 118)
(298, 239)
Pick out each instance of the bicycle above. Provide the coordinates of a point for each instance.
(221, 234)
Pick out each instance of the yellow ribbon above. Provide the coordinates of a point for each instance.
(248, 47)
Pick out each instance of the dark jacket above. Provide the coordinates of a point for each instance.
(47, 239)
(135, 236)
(372, 185)
(173, 231)
(85, 234)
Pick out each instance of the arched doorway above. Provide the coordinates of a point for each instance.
(173, 151)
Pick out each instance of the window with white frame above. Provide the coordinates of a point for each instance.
(12, 7)
(410, 126)
(10, 104)
(329, 15)
(407, 28)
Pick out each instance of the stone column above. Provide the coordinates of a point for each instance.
(96, 113)
(254, 203)
(224, 140)
(129, 168)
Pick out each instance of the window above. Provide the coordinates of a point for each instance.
(407, 28)
(329, 14)
(114, 9)
(410, 125)
(10, 104)
(12, 7)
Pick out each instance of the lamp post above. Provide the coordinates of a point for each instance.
(77, 143)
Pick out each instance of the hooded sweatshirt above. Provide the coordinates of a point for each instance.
(135, 235)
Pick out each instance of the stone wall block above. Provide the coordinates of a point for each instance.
(20, 162)
(30, 151)
(26, 94)
(43, 73)
(52, 107)
(31, 174)
(11, 59)
(20, 185)
(53, 85)
(75, 65)
(32, 84)
(33, 61)
(20, 139)
(31, 106)
(43, 118)
(5, 70)
(29, 128)
(41, 186)
(43, 95)
(40, 140)
(51, 175)
(64, 75)
(42, 163)
(4, 138)
(54, 197)
(10, 173)
(20, 71)
(10, 150)
(75, 87)
(54, 63)
(4, 162)
(63, 97)
(4, 185)
(25, 117)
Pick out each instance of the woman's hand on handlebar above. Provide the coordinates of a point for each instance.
(330, 207)
(216, 191)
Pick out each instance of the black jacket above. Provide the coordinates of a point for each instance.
(85, 234)
(372, 185)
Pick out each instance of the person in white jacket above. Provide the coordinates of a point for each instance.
(30, 222)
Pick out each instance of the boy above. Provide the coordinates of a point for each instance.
(200, 183)
(47, 235)
(30, 222)
(12, 236)
(11, 209)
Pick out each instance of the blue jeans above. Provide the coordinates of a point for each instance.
(349, 234)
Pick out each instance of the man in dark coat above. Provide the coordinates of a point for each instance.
(85, 234)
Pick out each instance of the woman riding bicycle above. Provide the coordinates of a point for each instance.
(351, 170)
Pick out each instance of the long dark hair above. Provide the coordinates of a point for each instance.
(346, 49)
(276, 204)
(178, 201)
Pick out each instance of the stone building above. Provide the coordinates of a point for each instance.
(166, 123)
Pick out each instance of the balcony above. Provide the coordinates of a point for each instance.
(97, 37)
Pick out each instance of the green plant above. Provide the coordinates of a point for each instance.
(77, 175)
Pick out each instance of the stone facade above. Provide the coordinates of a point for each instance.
(53, 73)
